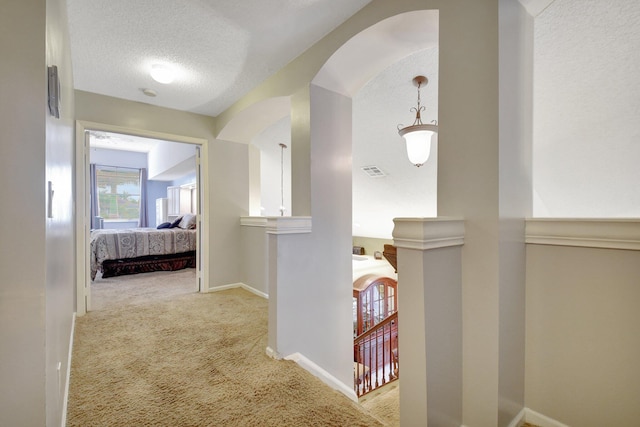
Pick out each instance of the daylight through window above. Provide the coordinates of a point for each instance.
(118, 192)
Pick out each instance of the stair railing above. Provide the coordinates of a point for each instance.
(375, 356)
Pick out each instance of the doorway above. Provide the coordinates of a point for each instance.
(83, 211)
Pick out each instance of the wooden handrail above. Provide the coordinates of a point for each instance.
(392, 317)
(375, 356)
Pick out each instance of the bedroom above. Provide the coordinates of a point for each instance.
(141, 183)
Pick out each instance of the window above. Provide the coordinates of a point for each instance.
(118, 192)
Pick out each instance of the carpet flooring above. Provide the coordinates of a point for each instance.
(156, 353)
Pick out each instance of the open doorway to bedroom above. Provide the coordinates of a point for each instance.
(144, 215)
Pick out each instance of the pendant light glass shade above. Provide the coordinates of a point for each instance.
(418, 136)
(418, 141)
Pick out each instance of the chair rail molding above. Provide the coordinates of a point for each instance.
(581, 232)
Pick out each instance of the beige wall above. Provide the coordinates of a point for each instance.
(583, 343)
(22, 160)
(136, 115)
(254, 254)
(371, 244)
(36, 268)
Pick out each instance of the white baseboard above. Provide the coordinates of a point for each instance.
(65, 400)
(273, 354)
(533, 417)
(519, 419)
(536, 418)
(240, 285)
(323, 375)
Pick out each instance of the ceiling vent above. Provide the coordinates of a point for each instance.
(373, 171)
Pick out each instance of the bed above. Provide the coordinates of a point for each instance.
(136, 250)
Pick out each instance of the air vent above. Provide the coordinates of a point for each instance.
(373, 171)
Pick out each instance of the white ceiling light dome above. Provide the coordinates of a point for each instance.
(162, 73)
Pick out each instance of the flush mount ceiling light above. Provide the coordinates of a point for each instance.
(162, 73)
(418, 135)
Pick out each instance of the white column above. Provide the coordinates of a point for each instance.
(283, 237)
(430, 320)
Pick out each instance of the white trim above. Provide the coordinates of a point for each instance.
(253, 221)
(288, 224)
(65, 400)
(534, 417)
(590, 233)
(273, 354)
(428, 233)
(323, 375)
(518, 419)
(239, 285)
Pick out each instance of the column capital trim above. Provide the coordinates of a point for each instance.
(428, 233)
(580, 232)
(288, 224)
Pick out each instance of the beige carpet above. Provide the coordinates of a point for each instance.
(384, 404)
(173, 357)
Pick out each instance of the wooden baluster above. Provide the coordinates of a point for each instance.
(384, 350)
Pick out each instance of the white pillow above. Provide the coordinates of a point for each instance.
(188, 222)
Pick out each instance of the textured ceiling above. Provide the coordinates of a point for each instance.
(117, 141)
(586, 56)
(220, 49)
(587, 109)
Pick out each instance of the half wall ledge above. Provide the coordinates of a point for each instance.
(279, 224)
(428, 233)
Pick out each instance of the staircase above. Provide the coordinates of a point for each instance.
(375, 355)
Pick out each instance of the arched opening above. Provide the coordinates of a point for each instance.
(375, 69)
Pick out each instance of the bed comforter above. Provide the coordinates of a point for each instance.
(137, 242)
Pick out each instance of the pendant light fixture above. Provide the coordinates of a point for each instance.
(418, 136)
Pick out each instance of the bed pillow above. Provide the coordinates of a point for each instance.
(188, 222)
(176, 223)
(164, 225)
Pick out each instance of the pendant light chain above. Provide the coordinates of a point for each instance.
(282, 147)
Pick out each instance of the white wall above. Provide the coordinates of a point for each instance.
(270, 170)
(60, 236)
(586, 109)
(166, 156)
(313, 271)
(127, 159)
(383, 103)
(516, 68)
(36, 269)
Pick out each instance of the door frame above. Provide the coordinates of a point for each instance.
(82, 210)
